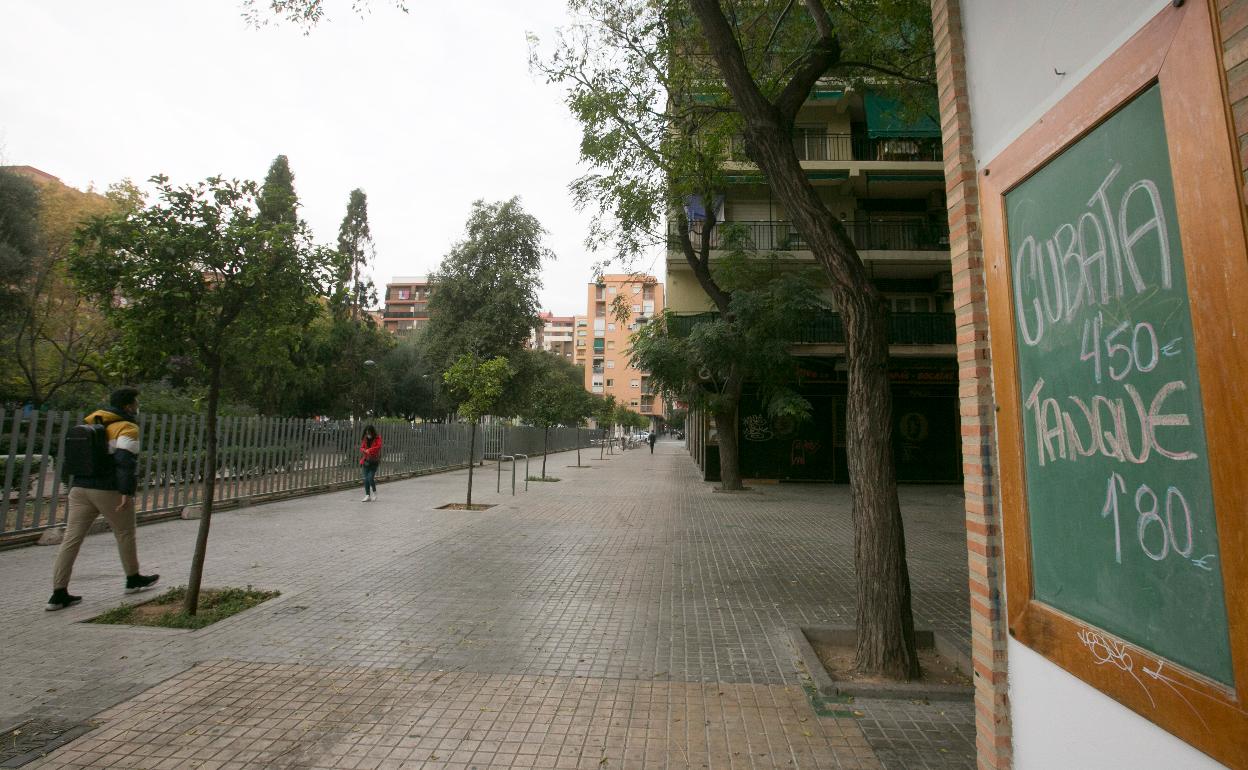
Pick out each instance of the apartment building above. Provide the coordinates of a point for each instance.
(883, 177)
(602, 340)
(555, 334)
(581, 340)
(406, 303)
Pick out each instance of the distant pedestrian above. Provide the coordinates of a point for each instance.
(370, 459)
(108, 491)
(653, 437)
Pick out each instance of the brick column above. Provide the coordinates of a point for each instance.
(983, 521)
(1232, 20)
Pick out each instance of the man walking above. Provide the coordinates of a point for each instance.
(110, 493)
(653, 437)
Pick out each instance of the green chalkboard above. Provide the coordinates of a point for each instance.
(1120, 503)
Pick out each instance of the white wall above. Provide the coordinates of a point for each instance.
(1013, 48)
(1061, 722)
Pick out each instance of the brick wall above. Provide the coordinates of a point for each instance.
(983, 523)
(1232, 19)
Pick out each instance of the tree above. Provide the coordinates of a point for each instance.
(478, 385)
(408, 383)
(583, 407)
(661, 90)
(768, 98)
(485, 297)
(19, 238)
(199, 271)
(55, 339)
(554, 398)
(605, 414)
(353, 291)
(708, 363)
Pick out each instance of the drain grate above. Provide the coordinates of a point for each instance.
(27, 741)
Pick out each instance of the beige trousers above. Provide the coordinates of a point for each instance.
(84, 506)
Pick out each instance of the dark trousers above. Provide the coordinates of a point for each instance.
(370, 478)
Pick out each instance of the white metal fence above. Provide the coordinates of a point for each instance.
(258, 458)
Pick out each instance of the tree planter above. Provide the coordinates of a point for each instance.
(946, 675)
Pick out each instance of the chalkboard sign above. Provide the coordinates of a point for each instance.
(1117, 476)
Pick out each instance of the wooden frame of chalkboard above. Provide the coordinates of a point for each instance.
(1176, 56)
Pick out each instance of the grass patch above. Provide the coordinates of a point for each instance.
(165, 611)
(463, 507)
(539, 478)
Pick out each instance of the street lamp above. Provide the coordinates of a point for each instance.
(370, 364)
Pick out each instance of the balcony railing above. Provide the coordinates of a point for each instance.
(812, 145)
(826, 328)
(866, 236)
(388, 314)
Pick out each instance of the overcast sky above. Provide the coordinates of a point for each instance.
(425, 111)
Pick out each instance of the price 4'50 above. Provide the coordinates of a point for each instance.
(1150, 526)
(1123, 348)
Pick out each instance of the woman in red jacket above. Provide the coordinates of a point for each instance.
(370, 459)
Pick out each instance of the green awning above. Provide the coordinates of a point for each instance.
(885, 120)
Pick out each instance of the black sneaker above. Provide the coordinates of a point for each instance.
(136, 582)
(61, 599)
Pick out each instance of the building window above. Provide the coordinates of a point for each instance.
(636, 308)
(634, 403)
(610, 344)
(611, 364)
(610, 327)
(405, 294)
(610, 383)
(610, 290)
(636, 290)
(914, 303)
(634, 384)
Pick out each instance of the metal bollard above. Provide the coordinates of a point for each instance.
(498, 485)
(526, 473)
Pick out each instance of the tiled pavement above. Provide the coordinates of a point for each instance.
(627, 616)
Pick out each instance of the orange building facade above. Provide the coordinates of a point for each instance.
(602, 340)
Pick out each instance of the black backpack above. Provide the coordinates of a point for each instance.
(86, 452)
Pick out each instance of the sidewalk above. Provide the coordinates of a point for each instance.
(627, 616)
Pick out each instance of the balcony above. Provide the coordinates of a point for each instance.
(388, 314)
(816, 146)
(826, 328)
(866, 236)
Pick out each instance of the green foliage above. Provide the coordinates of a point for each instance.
(214, 605)
(19, 236)
(477, 384)
(554, 394)
(407, 381)
(486, 302)
(352, 289)
(278, 203)
(200, 272)
(768, 303)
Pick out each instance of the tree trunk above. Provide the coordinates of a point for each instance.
(545, 449)
(884, 617)
(885, 621)
(726, 416)
(190, 605)
(472, 459)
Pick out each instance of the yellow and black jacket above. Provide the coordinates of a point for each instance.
(123, 447)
